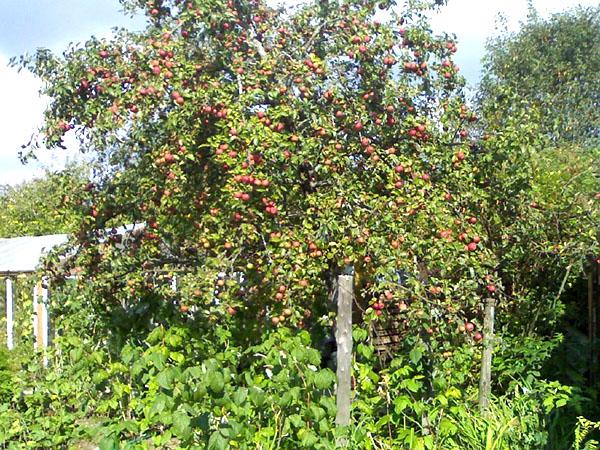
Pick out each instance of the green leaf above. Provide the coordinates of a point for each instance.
(240, 395)
(108, 443)
(216, 381)
(415, 355)
(307, 437)
(323, 379)
(217, 441)
(165, 379)
(257, 396)
(181, 424)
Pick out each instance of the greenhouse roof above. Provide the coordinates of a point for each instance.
(23, 254)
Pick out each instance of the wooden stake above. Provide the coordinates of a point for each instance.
(343, 337)
(485, 380)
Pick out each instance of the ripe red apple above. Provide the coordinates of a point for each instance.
(491, 288)
(469, 326)
(478, 337)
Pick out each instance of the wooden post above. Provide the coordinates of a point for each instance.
(343, 338)
(9, 314)
(485, 380)
(40, 317)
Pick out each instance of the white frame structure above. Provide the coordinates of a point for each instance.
(21, 256)
(9, 314)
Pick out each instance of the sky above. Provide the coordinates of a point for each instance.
(26, 25)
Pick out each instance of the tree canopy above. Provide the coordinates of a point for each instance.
(41, 206)
(553, 66)
(267, 150)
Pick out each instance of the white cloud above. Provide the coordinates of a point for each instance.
(21, 114)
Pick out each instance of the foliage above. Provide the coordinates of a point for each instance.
(265, 151)
(582, 432)
(551, 65)
(40, 206)
(6, 375)
(260, 153)
(186, 387)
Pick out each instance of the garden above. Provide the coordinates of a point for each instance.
(296, 229)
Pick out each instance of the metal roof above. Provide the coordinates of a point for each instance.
(23, 254)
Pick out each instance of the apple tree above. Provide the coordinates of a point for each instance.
(264, 151)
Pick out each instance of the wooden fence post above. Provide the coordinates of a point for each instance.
(343, 338)
(40, 317)
(485, 380)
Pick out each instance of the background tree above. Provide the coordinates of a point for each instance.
(552, 66)
(41, 206)
(538, 160)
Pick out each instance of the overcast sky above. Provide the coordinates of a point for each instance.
(28, 24)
